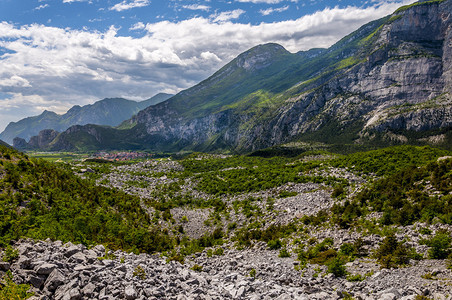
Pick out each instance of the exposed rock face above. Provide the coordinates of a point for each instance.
(41, 141)
(44, 137)
(404, 83)
(20, 143)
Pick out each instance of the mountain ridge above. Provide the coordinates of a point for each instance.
(108, 111)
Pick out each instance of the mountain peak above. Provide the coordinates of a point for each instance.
(260, 56)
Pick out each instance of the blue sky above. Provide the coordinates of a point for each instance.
(58, 53)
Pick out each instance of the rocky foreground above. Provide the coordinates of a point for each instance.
(66, 271)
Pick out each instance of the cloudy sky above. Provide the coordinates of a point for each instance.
(58, 53)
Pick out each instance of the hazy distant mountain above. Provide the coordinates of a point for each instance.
(389, 82)
(3, 143)
(110, 111)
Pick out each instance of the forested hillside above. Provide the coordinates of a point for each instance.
(41, 200)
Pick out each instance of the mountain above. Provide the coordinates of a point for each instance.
(2, 143)
(109, 111)
(389, 82)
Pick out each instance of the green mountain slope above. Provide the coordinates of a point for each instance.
(41, 200)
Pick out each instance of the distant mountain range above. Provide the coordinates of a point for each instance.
(389, 82)
(110, 111)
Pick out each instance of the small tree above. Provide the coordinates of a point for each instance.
(440, 246)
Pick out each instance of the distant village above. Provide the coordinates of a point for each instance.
(120, 156)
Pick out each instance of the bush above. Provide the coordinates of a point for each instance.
(10, 290)
(440, 246)
(139, 272)
(197, 268)
(284, 253)
(218, 251)
(274, 244)
(338, 191)
(324, 257)
(253, 273)
(10, 254)
(347, 249)
(392, 253)
(337, 267)
(356, 277)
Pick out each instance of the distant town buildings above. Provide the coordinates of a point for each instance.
(121, 156)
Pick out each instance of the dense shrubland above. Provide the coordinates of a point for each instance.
(41, 200)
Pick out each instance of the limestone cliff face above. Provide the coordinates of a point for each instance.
(401, 80)
(42, 139)
(403, 84)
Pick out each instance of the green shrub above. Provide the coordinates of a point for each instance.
(440, 246)
(197, 268)
(209, 252)
(10, 290)
(285, 194)
(356, 277)
(392, 253)
(139, 272)
(338, 191)
(10, 254)
(425, 230)
(324, 257)
(337, 267)
(347, 249)
(253, 273)
(274, 244)
(219, 251)
(284, 253)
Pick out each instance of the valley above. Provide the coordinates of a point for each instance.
(317, 225)
(321, 174)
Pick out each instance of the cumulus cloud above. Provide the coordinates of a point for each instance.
(268, 11)
(227, 15)
(125, 5)
(138, 26)
(197, 7)
(54, 68)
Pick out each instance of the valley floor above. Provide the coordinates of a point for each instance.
(251, 228)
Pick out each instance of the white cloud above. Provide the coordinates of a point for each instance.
(41, 6)
(125, 5)
(70, 1)
(55, 68)
(268, 11)
(227, 15)
(14, 81)
(20, 106)
(197, 7)
(138, 26)
(266, 1)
